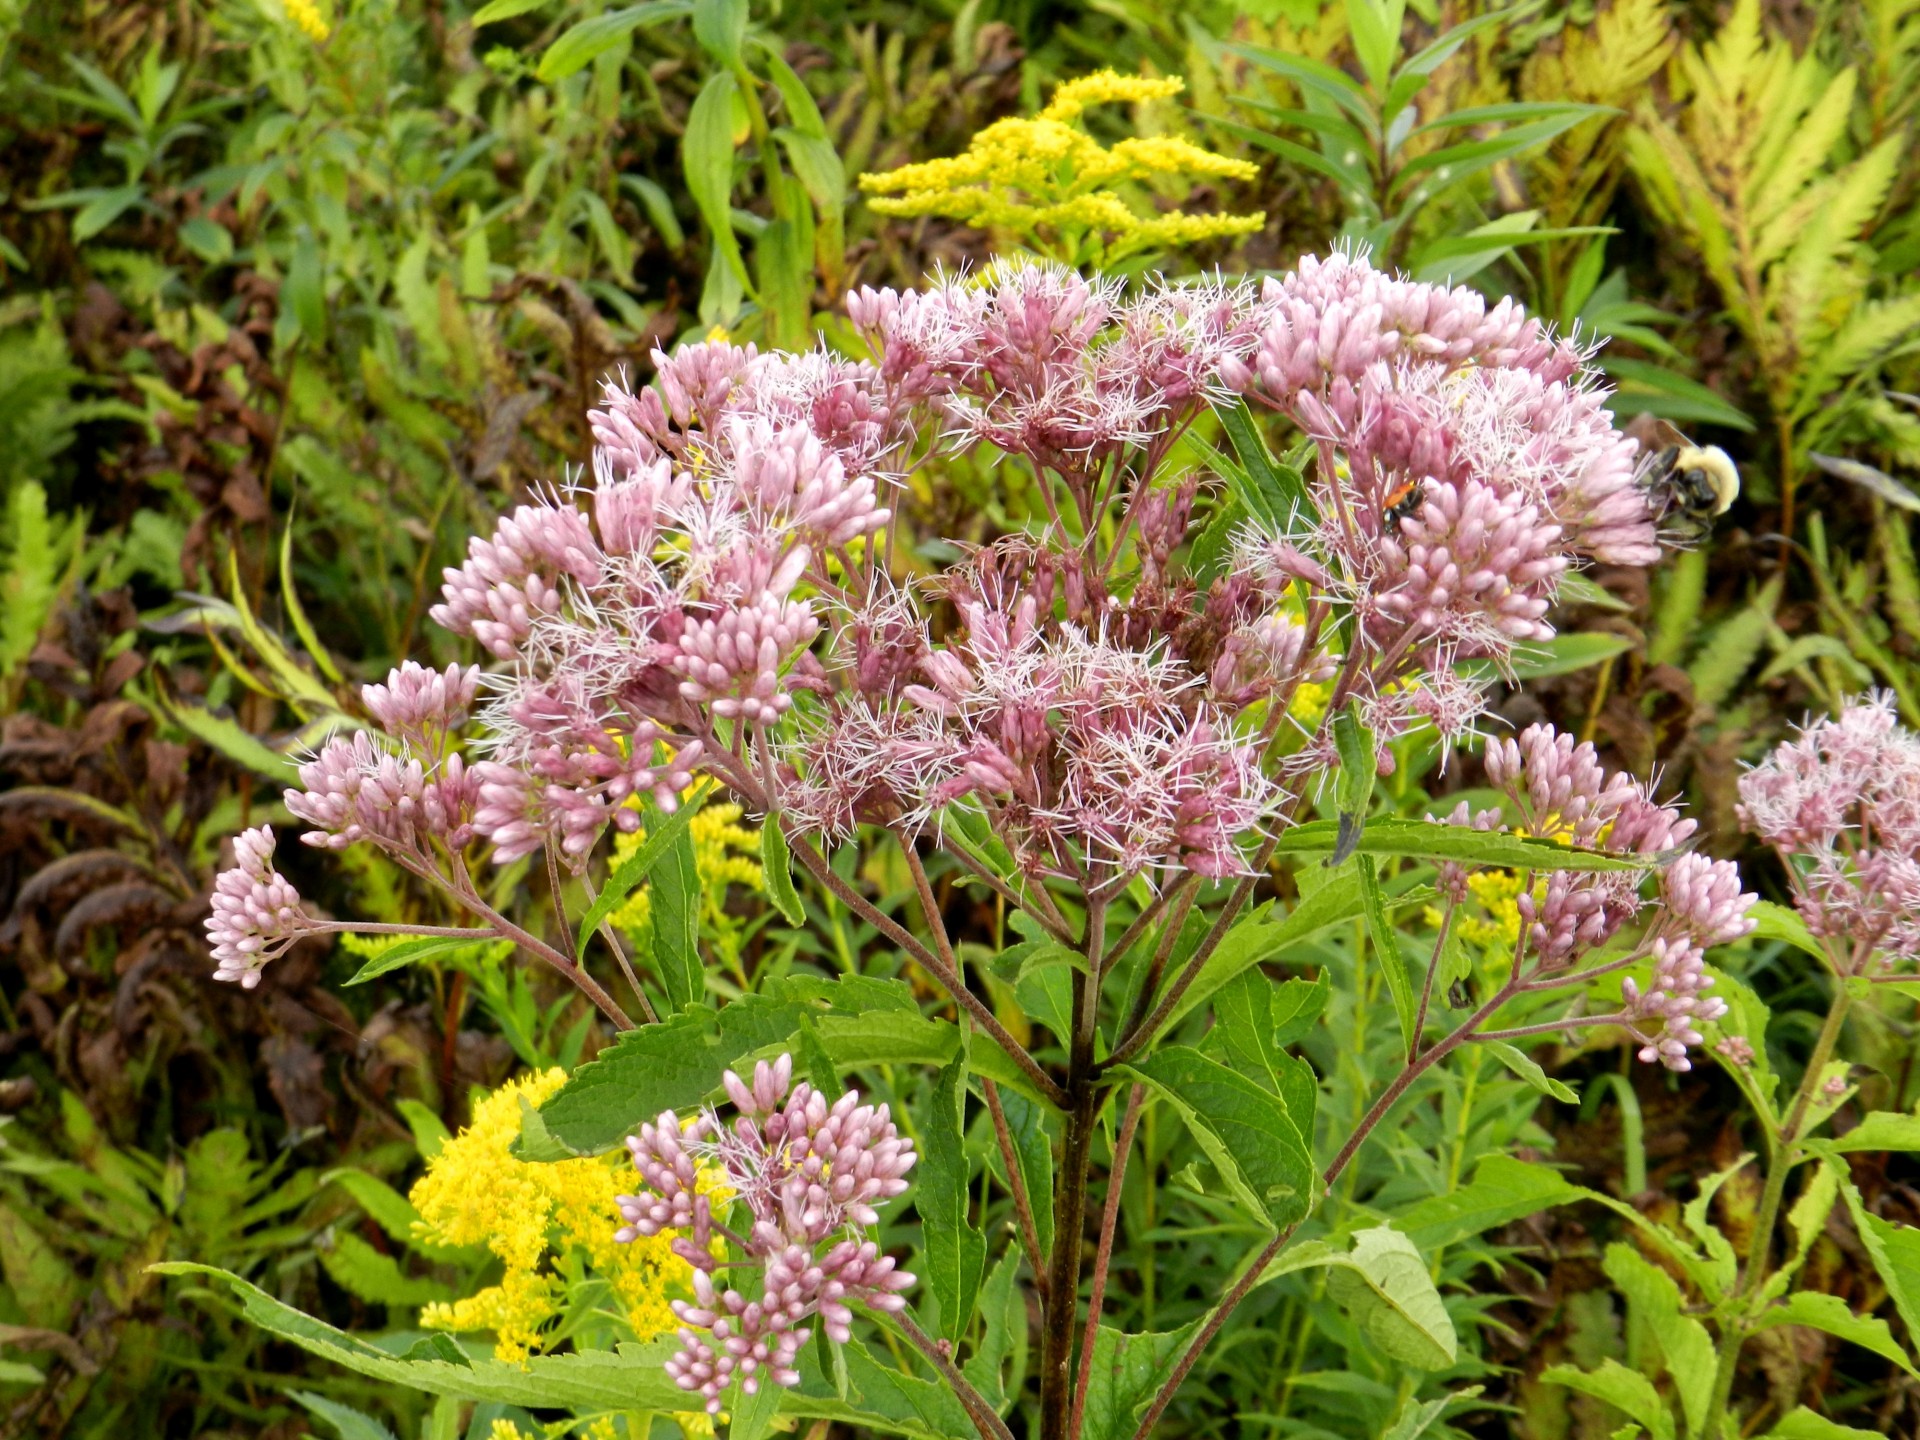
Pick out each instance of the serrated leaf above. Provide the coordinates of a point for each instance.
(1249, 1134)
(1127, 1371)
(1830, 1313)
(1258, 936)
(625, 1378)
(1626, 1390)
(1386, 1291)
(998, 1361)
(1685, 1345)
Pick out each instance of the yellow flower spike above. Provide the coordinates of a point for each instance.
(1051, 185)
(1108, 87)
(305, 17)
(475, 1192)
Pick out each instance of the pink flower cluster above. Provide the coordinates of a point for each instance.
(1467, 460)
(726, 596)
(256, 912)
(1841, 804)
(1560, 791)
(810, 1177)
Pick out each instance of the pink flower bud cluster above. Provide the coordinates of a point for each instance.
(810, 1178)
(256, 911)
(1560, 791)
(726, 596)
(1842, 805)
(1466, 459)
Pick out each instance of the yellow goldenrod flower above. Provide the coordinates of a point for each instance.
(305, 17)
(1052, 185)
(1108, 87)
(475, 1192)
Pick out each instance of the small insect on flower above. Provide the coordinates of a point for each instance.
(1401, 501)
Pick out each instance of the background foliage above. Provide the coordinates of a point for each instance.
(299, 295)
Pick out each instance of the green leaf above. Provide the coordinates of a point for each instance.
(1684, 1343)
(661, 833)
(43, 1283)
(410, 952)
(1881, 1130)
(1747, 1017)
(1274, 492)
(878, 1397)
(296, 612)
(1386, 947)
(1830, 1313)
(776, 860)
(103, 208)
(751, 1416)
(999, 1359)
(706, 155)
(1033, 1148)
(208, 239)
(304, 292)
(1780, 922)
(1044, 987)
(673, 916)
(37, 560)
(1386, 1291)
(582, 44)
(628, 1377)
(1127, 1371)
(391, 1210)
(955, 1248)
(1502, 1190)
(366, 1274)
(345, 1421)
(1254, 1019)
(1426, 840)
(1374, 26)
(1250, 1134)
(232, 740)
(720, 26)
(1257, 937)
(495, 11)
(1528, 1069)
(1626, 1390)
(1895, 1252)
(670, 1066)
(1800, 1423)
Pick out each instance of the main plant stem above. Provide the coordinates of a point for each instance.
(1070, 1187)
(1785, 1157)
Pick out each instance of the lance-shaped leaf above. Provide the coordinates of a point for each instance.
(955, 1248)
(1425, 840)
(673, 921)
(1250, 1134)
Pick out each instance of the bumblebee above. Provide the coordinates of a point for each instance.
(1688, 486)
